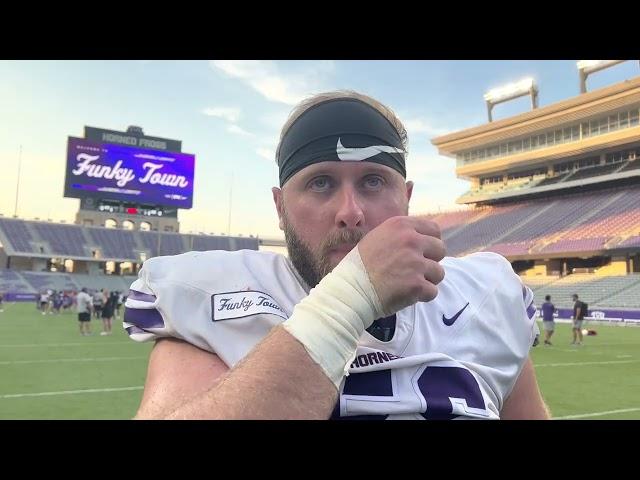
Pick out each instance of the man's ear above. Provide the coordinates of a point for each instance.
(277, 199)
(409, 190)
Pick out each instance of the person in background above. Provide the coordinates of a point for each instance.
(107, 313)
(579, 312)
(44, 302)
(119, 302)
(548, 323)
(83, 306)
(98, 302)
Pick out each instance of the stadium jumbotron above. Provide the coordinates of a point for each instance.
(131, 187)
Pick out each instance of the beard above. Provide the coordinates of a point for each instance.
(314, 264)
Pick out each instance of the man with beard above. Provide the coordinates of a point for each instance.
(366, 319)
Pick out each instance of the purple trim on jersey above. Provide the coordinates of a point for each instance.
(141, 297)
(134, 329)
(531, 310)
(143, 318)
(376, 383)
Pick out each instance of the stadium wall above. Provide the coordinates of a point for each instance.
(20, 297)
(605, 314)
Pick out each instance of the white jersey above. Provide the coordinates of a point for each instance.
(457, 356)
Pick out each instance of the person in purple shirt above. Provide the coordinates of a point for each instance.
(548, 323)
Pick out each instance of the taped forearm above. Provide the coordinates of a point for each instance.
(331, 319)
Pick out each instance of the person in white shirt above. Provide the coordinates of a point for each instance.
(44, 302)
(84, 303)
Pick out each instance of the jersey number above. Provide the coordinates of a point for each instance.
(448, 391)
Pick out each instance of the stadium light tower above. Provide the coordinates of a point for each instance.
(526, 86)
(586, 67)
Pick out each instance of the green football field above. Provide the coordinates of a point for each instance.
(48, 371)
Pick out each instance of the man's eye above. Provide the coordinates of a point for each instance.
(373, 182)
(319, 184)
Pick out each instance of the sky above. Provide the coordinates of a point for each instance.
(229, 115)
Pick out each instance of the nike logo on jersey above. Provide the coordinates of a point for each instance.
(358, 154)
(450, 321)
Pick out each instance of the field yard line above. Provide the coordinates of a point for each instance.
(597, 414)
(130, 342)
(589, 343)
(584, 363)
(55, 360)
(70, 392)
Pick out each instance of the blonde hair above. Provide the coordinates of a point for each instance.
(310, 102)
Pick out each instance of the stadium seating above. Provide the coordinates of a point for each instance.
(597, 291)
(33, 282)
(41, 281)
(63, 239)
(107, 282)
(575, 245)
(571, 223)
(76, 242)
(202, 243)
(630, 242)
(17, 234)
(627, 298)
(172, 244)
(482, 232)
(114, 243)
(552, 180)
(168, 243)
(11, 281)
(509, 249)
(590, 172)
(633, 165)
(73, 241)
(150, 242)
(455, 219)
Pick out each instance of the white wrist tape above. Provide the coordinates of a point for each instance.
(331, 319)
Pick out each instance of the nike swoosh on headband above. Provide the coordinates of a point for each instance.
(359, 154)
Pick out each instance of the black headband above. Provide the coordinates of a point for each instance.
(343, 129)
